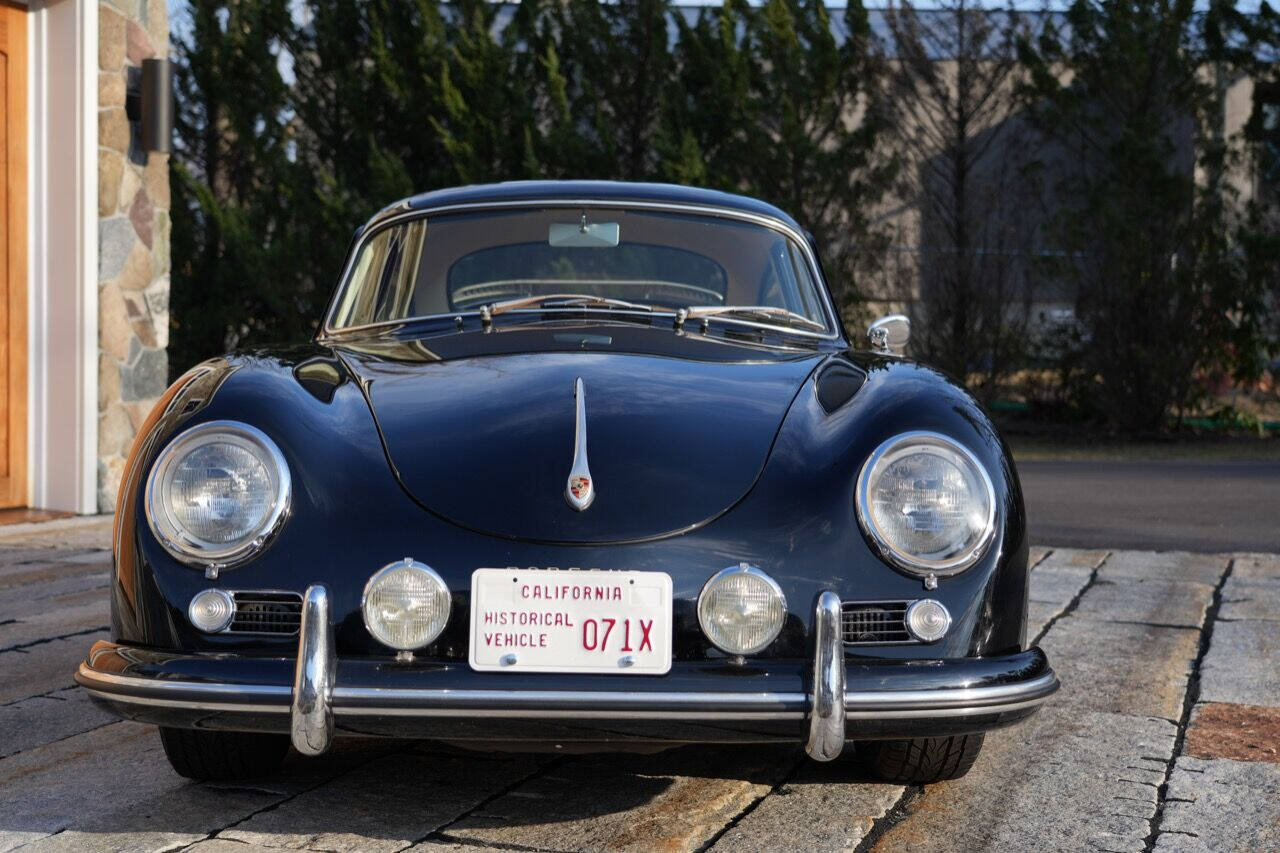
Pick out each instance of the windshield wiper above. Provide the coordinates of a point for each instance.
(764, 315)
(555, 300)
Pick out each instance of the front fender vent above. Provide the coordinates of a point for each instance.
(266, 613)
(837, 384)
(875, 623)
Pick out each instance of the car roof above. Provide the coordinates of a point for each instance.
(525, 191)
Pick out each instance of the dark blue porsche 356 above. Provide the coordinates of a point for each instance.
(572, 463)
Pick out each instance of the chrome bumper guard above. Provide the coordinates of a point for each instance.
(313, 699)
(827, 707)
(311, 706)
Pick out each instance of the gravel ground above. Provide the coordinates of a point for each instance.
(1163, 738)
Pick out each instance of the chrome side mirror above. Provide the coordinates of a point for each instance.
(890, 334)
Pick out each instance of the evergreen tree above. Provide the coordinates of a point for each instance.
(603, 76)
(366, 90)
(299, 119)
(1125, 90)
(638, 64)
(559, 142)
(705, 126)
(813, 141)
(487, 122)
(234, 245)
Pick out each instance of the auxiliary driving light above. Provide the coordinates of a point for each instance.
(406, 605)
(741, 609)
(927, 620)
(211, 610)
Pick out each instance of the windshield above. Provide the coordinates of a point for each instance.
(458, 262)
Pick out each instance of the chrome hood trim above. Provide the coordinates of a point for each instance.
(579, 489)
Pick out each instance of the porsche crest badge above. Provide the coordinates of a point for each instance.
(579, 491)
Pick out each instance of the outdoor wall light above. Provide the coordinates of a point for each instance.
(149, 103)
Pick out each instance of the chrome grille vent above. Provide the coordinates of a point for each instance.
(266, 613)
(867, 623)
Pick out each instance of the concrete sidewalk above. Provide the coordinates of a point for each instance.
(1163, 738)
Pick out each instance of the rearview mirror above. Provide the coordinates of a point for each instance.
(890, 334)
(597, 235)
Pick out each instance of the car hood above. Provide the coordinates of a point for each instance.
(487, 442)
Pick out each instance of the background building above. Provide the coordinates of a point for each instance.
(86, 249)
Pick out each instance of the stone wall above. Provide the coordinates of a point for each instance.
(133, 240)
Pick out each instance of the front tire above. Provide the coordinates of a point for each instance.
(215, 756)
(919, 761)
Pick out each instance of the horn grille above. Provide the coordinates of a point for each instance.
(872, 623)
(266, 613)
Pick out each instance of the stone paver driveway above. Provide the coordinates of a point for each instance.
(1164, 738)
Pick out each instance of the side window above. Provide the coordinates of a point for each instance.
(787, 283)
(807, 288)
(382, 281)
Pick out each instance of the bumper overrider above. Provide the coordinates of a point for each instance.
(824, 701)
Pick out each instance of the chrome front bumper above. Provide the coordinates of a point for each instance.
(201, 691)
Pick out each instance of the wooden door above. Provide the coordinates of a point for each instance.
(13, 256)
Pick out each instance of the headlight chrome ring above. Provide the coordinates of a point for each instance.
(187, 545)
(966, 463)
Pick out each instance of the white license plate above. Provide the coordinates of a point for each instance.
(540, 620)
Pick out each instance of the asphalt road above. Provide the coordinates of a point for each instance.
(1208, 507)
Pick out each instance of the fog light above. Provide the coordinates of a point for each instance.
(406, 605)
(211, 610)
(741, 610)
(927, 620)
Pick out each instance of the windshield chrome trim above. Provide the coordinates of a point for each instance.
(382, 221)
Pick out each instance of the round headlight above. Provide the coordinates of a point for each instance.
(406, 605)
(928, 620)
(211, 610)
(927, 504)
(741, 609)
(217, 492)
